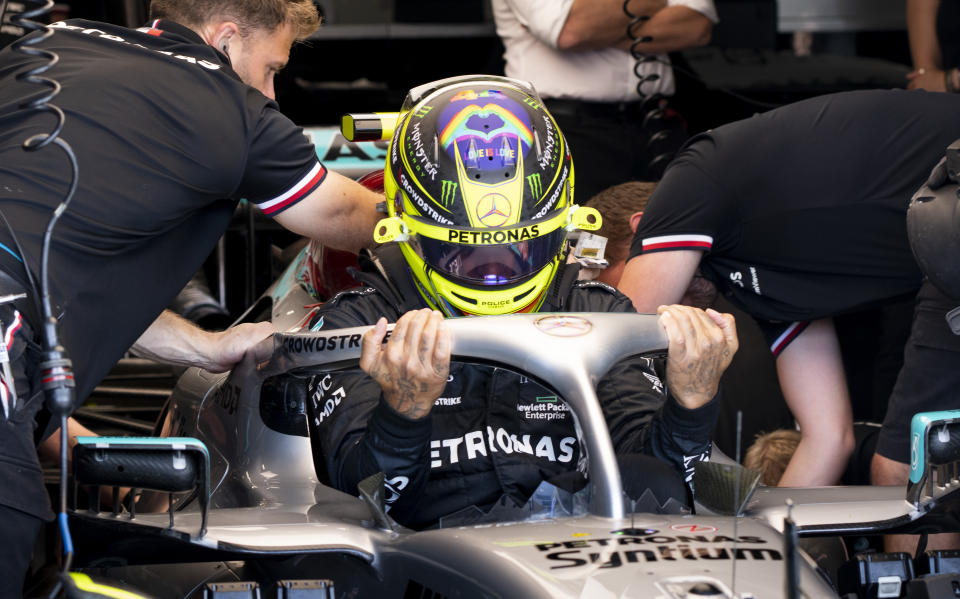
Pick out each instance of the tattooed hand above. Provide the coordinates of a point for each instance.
(413, 365)
(701, 346)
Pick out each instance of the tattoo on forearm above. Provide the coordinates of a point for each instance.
(406, 399)
(698, 377)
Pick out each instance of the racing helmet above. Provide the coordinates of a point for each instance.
(479, 188)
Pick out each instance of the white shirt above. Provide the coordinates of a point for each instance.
(529, 30)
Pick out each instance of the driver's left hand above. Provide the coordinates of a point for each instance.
(701, 345)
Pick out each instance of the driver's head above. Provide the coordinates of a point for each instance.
(256, 36)
(479, 186)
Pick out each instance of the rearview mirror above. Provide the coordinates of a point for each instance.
(171, 464)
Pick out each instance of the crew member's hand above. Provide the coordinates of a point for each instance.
(230, 345)
(701, 345)
(928, 78)
(412, 367)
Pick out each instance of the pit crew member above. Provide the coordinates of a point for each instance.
(172, 125)
(798, 215)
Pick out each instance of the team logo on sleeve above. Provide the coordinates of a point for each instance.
(671, 242)
(655, 381)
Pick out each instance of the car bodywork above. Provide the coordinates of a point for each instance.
(269, 517)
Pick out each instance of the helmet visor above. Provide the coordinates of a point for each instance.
(498, 264)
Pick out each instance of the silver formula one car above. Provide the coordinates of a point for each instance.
(248, 515)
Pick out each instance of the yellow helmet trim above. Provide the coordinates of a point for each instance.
(398, 228)
(372, 126)
(584, 218)
(488, 301)
(390, 229)
(492, 204)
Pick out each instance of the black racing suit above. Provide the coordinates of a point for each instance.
(492, 432)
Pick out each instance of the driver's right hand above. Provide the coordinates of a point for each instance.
(701, 344)
(412, 366)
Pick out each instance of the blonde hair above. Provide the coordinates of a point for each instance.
(250, 15)
(770, 454)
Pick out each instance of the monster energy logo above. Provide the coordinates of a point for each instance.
(531, 103)
(536, 187)
(423, 111)
(447, 192)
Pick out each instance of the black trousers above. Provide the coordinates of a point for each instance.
(930, 376)
(19, 533)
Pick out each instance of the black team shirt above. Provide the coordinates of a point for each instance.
(801, 211)
(168, 140)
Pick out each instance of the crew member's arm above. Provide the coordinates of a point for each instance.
(49, 448)
(658, 278)
(340, 213)
(673, 28)
(924, 48)
(284, 179)
(670, 27)
(815, 388)
(595, 24)
(175, 340)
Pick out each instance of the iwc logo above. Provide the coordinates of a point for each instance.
(493, 210)
(564, 326)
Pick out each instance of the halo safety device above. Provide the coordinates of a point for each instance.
(479, 187)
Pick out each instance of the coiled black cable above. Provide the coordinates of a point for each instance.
(655, 105)
(639, 55)
(56, 368)
(642, 58)
(41, 103)
(657, 111)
